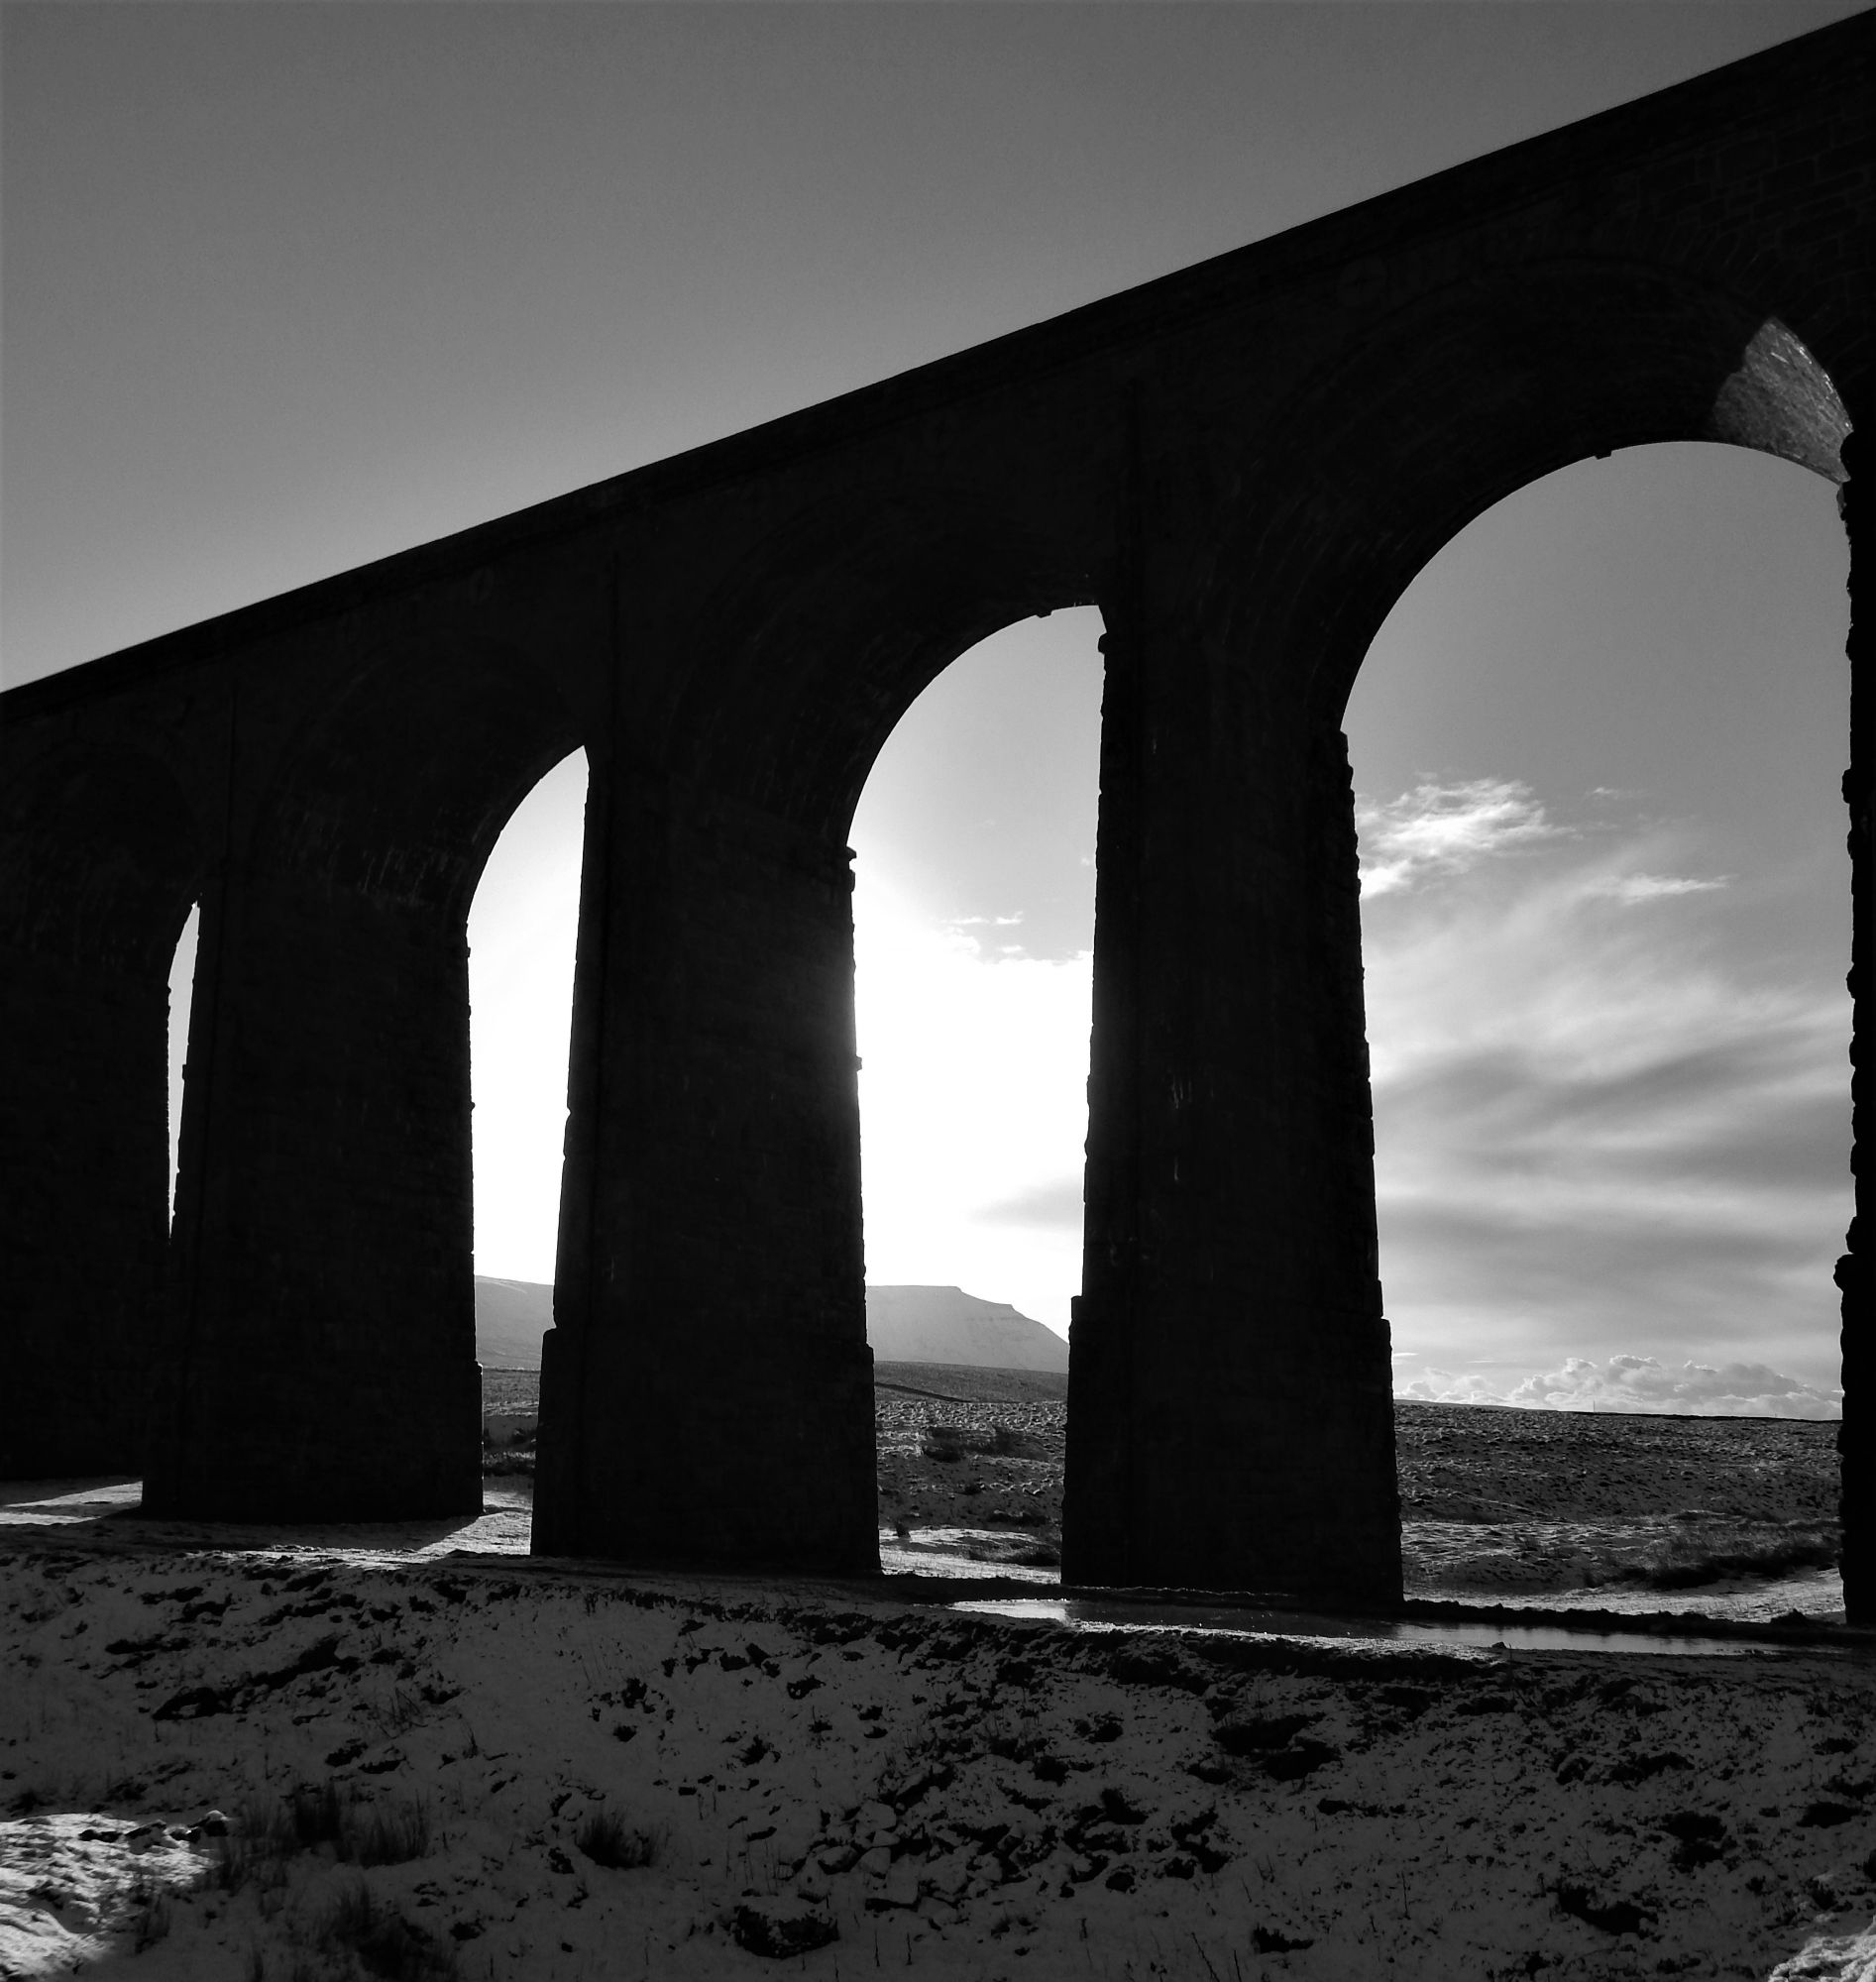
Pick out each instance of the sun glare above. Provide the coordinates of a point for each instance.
(974, 914)
(521, 931)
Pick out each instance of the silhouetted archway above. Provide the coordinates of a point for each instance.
(182, 997)
(522, 927)
(332, 1127)
(1606, 924)
(102, 857)
(974, 930)
(732, 868)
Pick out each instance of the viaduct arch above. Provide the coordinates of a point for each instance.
(1243, 465)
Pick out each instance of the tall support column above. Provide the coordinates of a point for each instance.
(99, 860)
(84, 1178)
(1229, 1419)
(1856, 1270)
(321, 1356)
(707, 1389)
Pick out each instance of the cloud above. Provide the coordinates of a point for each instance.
(1639, 1383)
(1631, 889)
(1603, 1113)
(1443, 1387)
(1439, 829)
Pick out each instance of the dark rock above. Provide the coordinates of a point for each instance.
(781, 1927)
(1614, 1916)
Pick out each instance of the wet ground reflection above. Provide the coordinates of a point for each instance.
(1108, 1614)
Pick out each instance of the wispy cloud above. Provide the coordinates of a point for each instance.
(1632, 889)
(1639, 1383)
(1439, 829)
(1602, 1120)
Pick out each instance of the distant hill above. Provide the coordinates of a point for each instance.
(511, 1316)
(947, 1325)
(903, 1324)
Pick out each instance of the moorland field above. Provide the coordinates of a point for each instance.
(1516, 1505)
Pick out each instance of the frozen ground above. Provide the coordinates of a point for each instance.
(420, 1741)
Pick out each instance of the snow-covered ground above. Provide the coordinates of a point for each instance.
(910, 1785)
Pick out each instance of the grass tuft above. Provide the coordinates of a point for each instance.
(386, 1833)
(1009, 1442)
(314, 1813)
(152, 1918)
(1689, 1562)
(381, 1940)
(259, 1845)
(396, 1711)
(608, 1839)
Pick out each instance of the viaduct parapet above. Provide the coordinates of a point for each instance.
(1243, 466)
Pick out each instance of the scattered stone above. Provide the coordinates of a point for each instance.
(1614, 1916)
(781, 1927)
(898, 1889)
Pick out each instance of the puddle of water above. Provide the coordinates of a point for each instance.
(1092, 1614)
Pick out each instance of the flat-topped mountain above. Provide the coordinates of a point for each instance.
(511, 1316)
(903, 1324)
(947, 1325)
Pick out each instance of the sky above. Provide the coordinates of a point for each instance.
(1606, 922)
(284, 288)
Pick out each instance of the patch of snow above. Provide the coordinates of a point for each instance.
(968, 1797)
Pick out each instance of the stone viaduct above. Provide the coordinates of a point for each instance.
(1243, 465)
